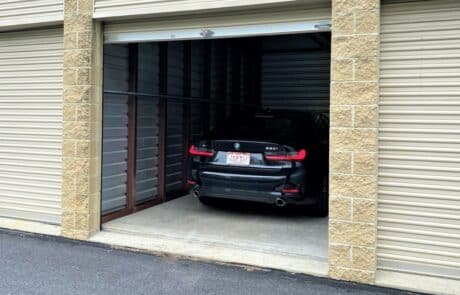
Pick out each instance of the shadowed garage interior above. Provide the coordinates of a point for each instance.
(161, 97)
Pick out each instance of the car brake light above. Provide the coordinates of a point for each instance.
(299, 156)
(201, 153)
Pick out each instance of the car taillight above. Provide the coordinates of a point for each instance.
(298, 156)
(193, 151)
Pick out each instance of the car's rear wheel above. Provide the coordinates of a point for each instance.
(322, 207)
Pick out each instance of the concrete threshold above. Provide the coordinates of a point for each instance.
(214, 251)
(417, 283)
(30, 226)
(228, 233)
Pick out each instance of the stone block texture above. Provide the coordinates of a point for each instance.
(354, 139)
(82, 120)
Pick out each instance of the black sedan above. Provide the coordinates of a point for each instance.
(276, 158)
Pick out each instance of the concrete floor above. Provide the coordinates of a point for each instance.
(229, 231)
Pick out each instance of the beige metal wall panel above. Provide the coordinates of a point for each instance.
(21, 13)
(31, 124)
(124, 8)
(230, 23)
(419, 170)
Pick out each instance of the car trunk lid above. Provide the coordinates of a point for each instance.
(242, 156)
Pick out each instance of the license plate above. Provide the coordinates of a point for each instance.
(238, 159)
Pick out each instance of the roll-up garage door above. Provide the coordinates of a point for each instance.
(295, 72)
(123, 8)
(220, 25)
(31, 78)
(419, 171)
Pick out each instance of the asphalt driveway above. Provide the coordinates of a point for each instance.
(43, 265)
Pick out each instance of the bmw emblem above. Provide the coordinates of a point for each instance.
(237, 146)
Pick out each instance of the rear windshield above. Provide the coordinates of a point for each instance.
(283, 130)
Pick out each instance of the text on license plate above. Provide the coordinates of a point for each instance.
(238, 159)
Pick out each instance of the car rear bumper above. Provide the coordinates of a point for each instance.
(255, 188)
(254, 196)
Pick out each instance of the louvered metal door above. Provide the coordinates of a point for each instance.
(295, 74)
(175, 153)
(419, 170)
(196, 84)
(115, 141)
(31, 71)
(147, 134)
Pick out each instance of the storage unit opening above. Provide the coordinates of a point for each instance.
(259, 105)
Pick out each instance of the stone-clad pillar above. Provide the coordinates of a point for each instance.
(354, 139)
(82, 120)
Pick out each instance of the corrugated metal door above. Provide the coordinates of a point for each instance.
(218, 81)
(118, 107)
(295, 73)
(117, 8)
(147, 149)
(115, 141)
(196, 84)
(175, 153)
(31, 65)
(147, 133)
(26, 12)
(419, 171)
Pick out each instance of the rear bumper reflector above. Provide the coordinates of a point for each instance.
(291, 190)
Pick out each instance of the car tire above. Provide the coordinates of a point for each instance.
(322, 207)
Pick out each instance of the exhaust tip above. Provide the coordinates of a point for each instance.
(280, 202)
(196, 193)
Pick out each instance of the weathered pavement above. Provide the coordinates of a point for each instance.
(43, 265)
